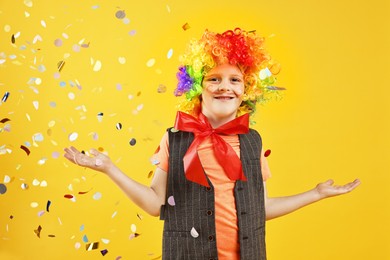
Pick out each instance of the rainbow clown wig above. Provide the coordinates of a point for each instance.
(237, 47)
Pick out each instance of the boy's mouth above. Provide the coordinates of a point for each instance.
(223, 98)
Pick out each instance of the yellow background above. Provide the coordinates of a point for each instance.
(333, 121)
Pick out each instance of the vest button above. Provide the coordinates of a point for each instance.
(211, 237)
(209, 212)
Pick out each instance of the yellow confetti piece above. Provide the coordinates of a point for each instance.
(7, 28)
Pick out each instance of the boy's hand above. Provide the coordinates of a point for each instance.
(327, 189)
(98, 161)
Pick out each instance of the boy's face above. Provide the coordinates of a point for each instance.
(223, 88)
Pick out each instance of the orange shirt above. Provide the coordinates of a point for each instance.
(225, 205)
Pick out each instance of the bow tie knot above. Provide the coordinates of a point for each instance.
(224, 153)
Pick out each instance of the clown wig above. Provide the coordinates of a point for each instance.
(237, 47)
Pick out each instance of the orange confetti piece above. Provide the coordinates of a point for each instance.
(186, 26)
(68, 196)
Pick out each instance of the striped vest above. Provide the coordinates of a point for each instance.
(194, 205)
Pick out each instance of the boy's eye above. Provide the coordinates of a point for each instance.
(213, 79)
(236, 79)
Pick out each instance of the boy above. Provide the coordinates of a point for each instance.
(209, 186)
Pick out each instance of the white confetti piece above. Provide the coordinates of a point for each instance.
(35, 182)
(65, 36)
(105, 240)
(71, 95)
(126, 20)
(97, 66)
(43, 183)
(264, 73)
(34, 204)
(42, 161)
(168, 9)
(37, 38)
(38, 81)
(38, 137)
(194, 233)
(133, 228)
(97, 196)
(171, 201)
(140, 107)
(7, 179)
(170, 53)
(43, 23)
(24, 186)
(73, 136)
(40, 213)
(36, 104)
(77, 245)
(150, 62)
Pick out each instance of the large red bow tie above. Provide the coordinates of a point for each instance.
(224, 153)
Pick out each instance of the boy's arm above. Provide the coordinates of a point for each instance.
(279, 206)
(147, 198)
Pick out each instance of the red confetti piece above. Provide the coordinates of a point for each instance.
(84, 192)
(68, 196)
(24, 148)
(5, 120)
(267, 153)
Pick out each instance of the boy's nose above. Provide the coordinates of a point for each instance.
(224, 86)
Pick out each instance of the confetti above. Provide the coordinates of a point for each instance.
(133, 141)
(100, 116)
(38, 137)
(5, 97)
(83, 192)
(161, 88)
(38, 231)
(36, 104)
(43, 183)
(4, 120)
(132, 32)
(43, 23)
(133, 228)
(134, 235)
(97, 196)
(77, 245)
(267, 153)
(3, 188)
(170, 53)
(140, 216)
(48, 205)
(28, 3)
(85, 239)
(60, 65)
(97, 66)
(34, 204)
(24, 186)
(150, 62)
(104, 252)
(122, 60)
(171, 201)
(24, 148)
(194, 233)
(55, 155)
(119, 126)
(58, 42)
(13, 39)
(40, 213)
(7, 179)
(68, 196)
(120, 14)
(186, 26)
(73, 136)
(92, 246)
(275, 88)
(105, 241)
(71, 96)
(35, 182)
(265, 73)
(150, 174)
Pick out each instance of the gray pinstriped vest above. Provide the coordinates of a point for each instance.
(194, 205)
